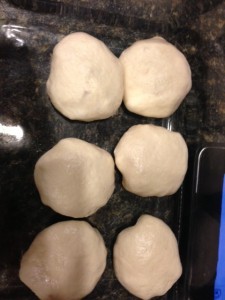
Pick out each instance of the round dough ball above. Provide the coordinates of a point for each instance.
(157, 77)
(65, 261)
(86, 79)
(75, 178)
(152, 160)
(146, 258)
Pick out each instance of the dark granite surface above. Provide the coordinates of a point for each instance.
(27, 38)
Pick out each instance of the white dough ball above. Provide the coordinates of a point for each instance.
(86, 79)
(75, 178)
(157, 77)
(64, 262)
(146, 258)
(152, 160)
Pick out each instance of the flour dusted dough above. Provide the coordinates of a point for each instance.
(152, 160)
(146, 258)
(75, 178)
(157, 77)
(86, 79)
(65, 261)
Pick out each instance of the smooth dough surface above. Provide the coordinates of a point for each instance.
(64, 262)
(75, 178)
(86, 79)
(146, 258)
(157, 77)
(152, 160)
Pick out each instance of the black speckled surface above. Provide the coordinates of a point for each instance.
(27, 37)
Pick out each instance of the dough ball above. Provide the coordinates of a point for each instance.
(146, 258)
(157, 77)
(152, 160)
(86, 79)
(75, 178)
(64, 262)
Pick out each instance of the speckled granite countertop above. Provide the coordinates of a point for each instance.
(28, 35)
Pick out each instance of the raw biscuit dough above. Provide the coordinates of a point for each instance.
(152, 160)
(146, 258)
(157, 77)
(65, 261)
(75, 178)
(86, 79)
